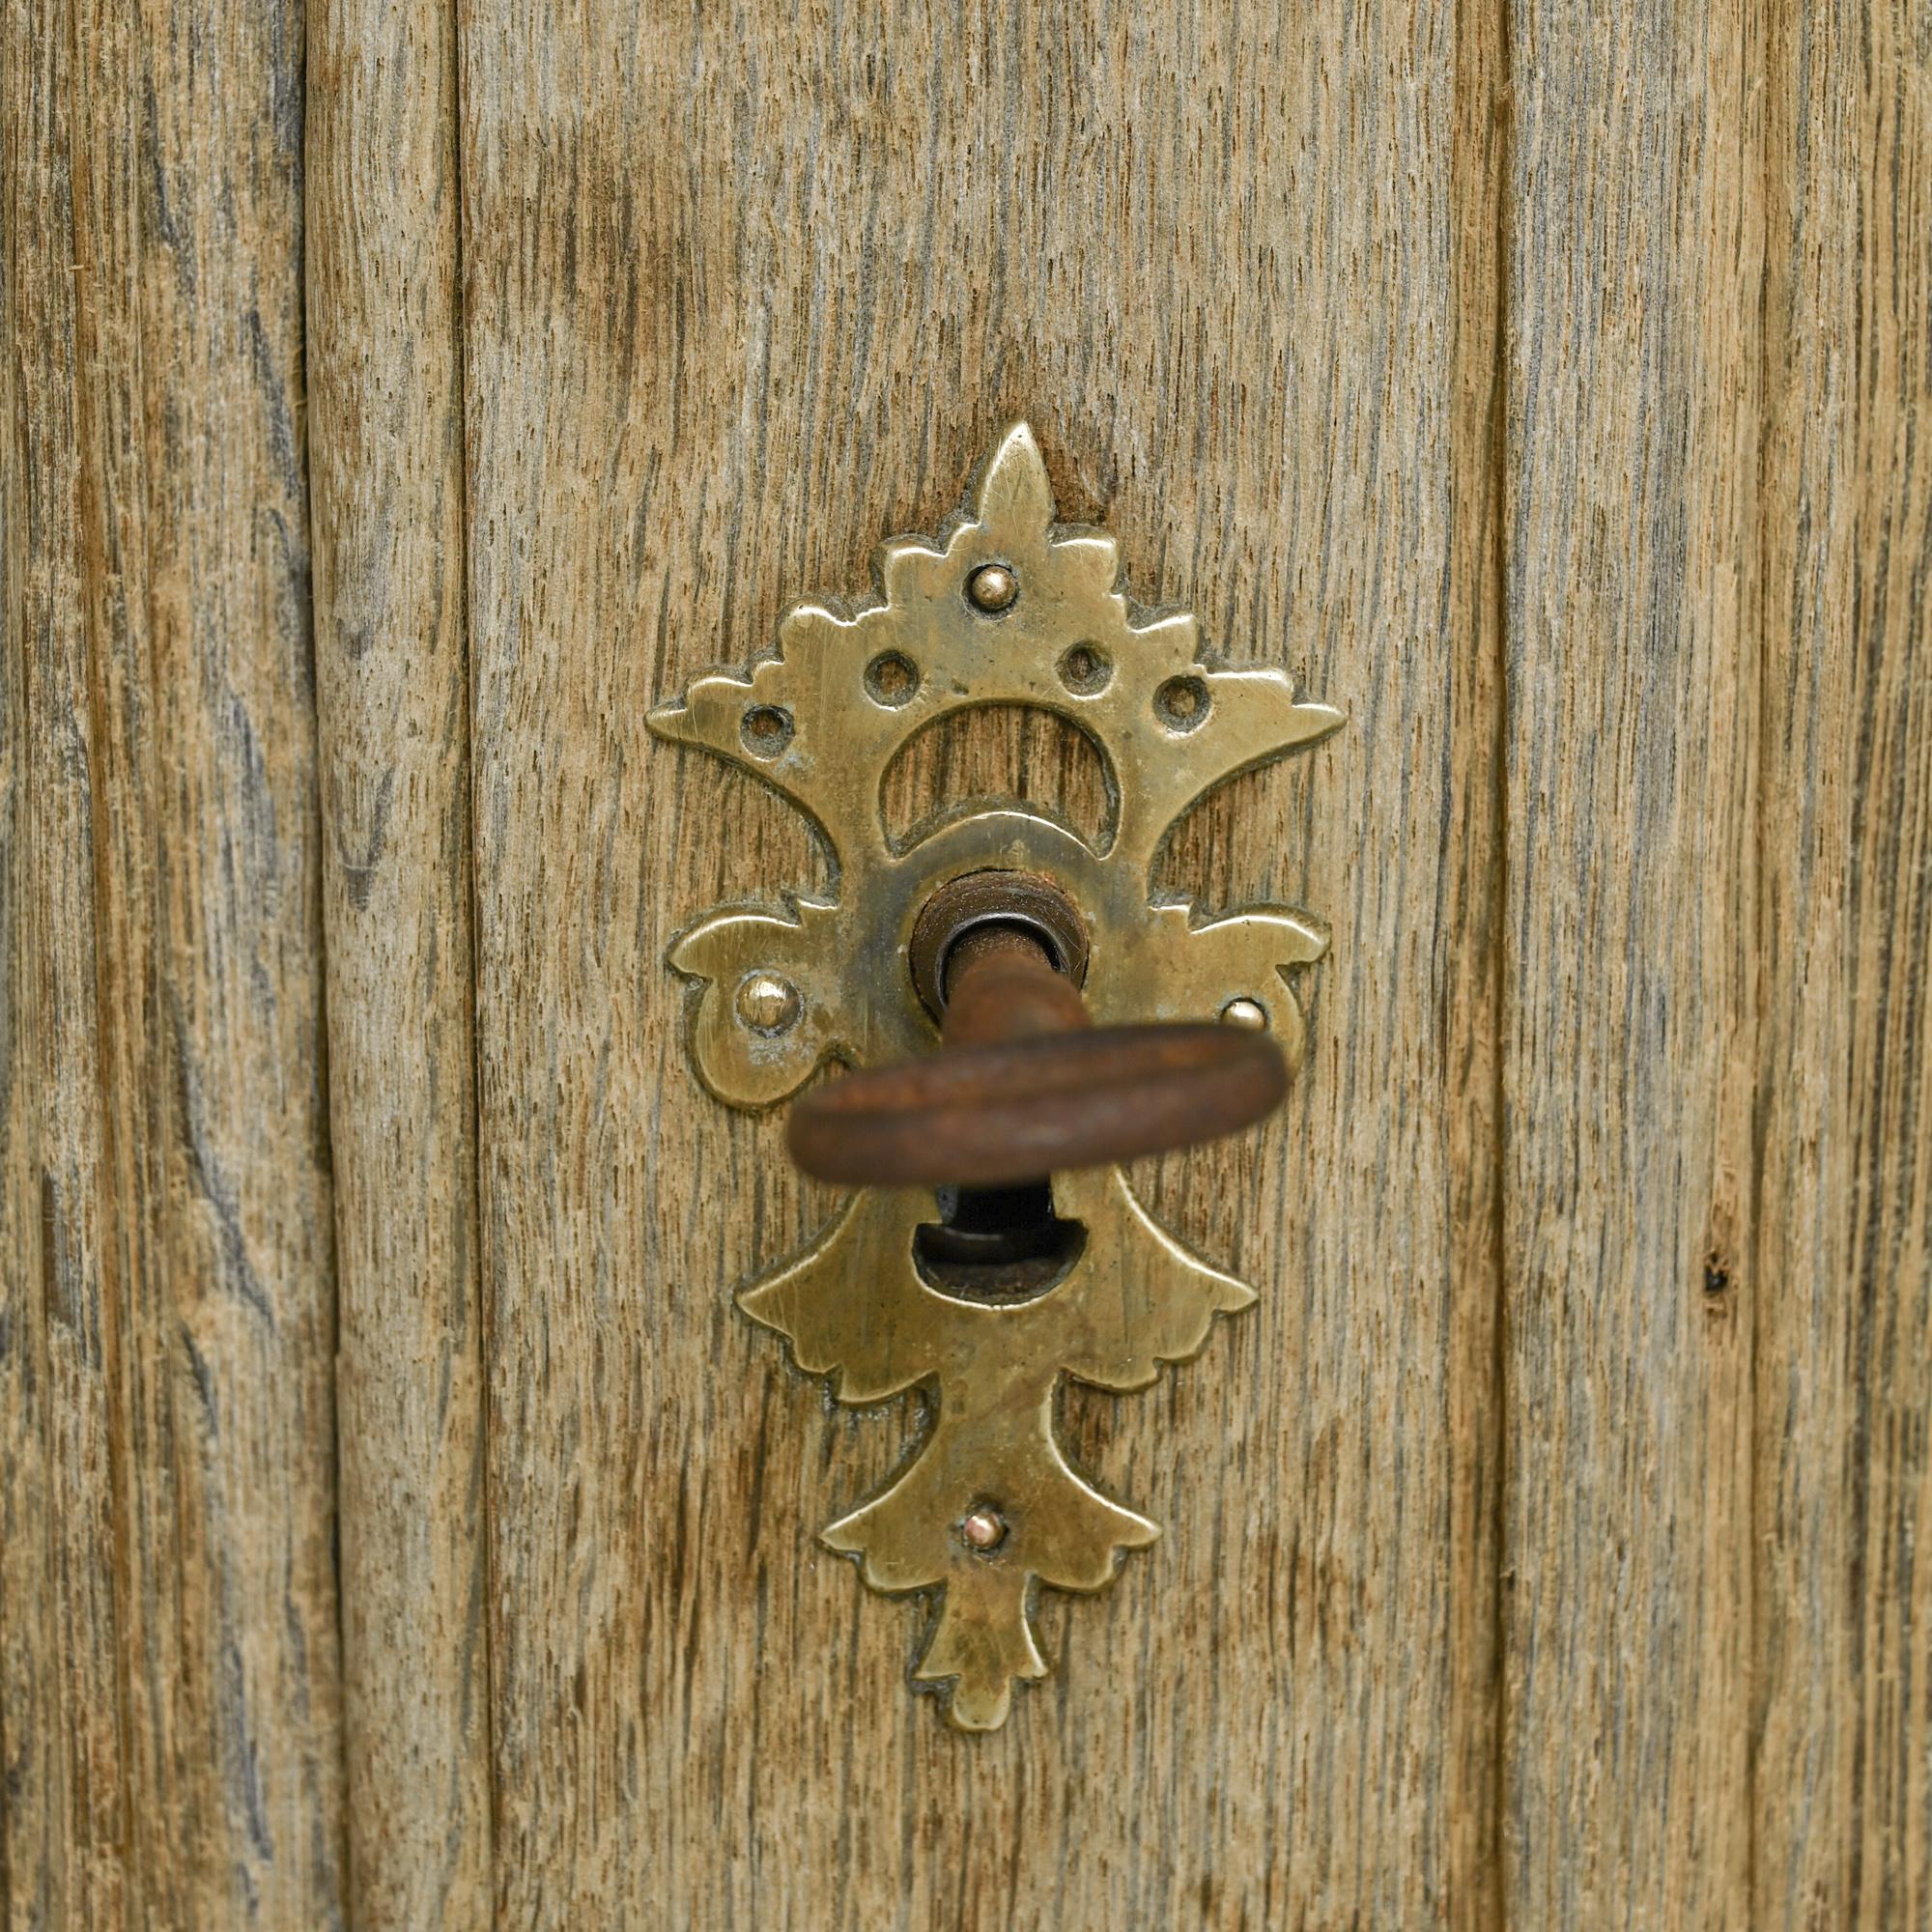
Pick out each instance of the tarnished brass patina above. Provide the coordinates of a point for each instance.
(1005, 608)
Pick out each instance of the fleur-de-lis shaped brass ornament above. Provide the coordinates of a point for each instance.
(1005, 608)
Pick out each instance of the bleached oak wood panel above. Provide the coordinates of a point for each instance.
(384, 386)
(1548, 390)
(171, 1720)
(1635, 249)
(741, 299)
(1842, 1796)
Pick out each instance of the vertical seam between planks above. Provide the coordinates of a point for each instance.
(1754, 1677)
(346, 1849)
(486, 1300)
(1774, 216)
(116, 1288)
(375, 1874)
(1479, 497)
(11, 859)
(163, 1075)
(1500, 1893)
(344, 1835)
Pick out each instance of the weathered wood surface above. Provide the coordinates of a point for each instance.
(1549, 390)
(1628, 927)
(1842, 1659)
(1719, 792)
(1474, 982)
(170, 1725)
(28, 1766)
(385, 383)
(742, 297)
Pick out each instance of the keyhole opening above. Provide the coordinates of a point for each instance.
(998, 1245)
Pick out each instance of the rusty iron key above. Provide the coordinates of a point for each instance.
(1025, 1085)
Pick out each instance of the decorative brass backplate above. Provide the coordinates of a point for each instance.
(1005, 608)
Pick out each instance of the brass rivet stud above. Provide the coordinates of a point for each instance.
(992, 587)
(1250, 1015)
(985, 1528)
(767, 1003)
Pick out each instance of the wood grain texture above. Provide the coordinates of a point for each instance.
(94, 1385)
(741, 299)
(1547, 388)
(31, 1837)
(1471, 942)
(249, 1219)
(384, 384)
(1844, 1790)
(1634, 259)
(180, 1751)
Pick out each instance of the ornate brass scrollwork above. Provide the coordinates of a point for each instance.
(1005, 608)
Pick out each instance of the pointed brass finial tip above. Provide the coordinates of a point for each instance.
(1013, 482)
(833, 1536)
(668, 721)
(1323, 720)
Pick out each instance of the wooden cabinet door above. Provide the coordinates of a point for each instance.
(400, 1526)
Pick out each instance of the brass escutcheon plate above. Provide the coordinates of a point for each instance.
(1006, 607)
